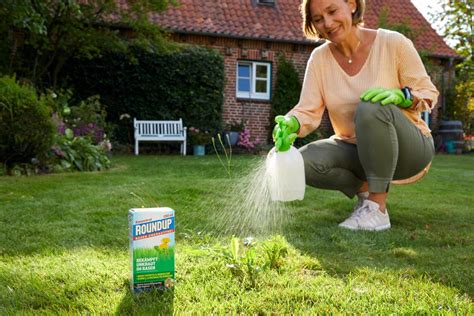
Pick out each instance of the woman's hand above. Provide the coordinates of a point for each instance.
(284, 133)
(386, 96)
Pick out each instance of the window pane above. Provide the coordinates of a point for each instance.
(244, 85)
(261, 86)
(262, 71)
(244, 71)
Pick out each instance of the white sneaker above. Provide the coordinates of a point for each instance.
(361, 197)
(367, 217)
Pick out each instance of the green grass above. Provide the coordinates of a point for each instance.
(64, 245)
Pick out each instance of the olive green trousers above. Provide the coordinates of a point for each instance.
(389, 147)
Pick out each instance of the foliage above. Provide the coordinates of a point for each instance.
(457, 18)
(253, 259)
(43, 35)
(26, 129)
(81, 143)
(461, 103)
(198, 136)
(88, 118)
(242, 265)
(287, 89)
(187, 84)
(235, 126)
(78, 153)
(245, 140)
(275, 251)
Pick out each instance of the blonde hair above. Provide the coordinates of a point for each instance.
(310, 30)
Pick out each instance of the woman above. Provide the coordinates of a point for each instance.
(374, 86)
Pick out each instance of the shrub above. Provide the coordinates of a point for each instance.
(81, 143)
(460, 101)
(88, 119)
(245, 140)
(199, 137)
(72, 153)
(235, 126)
(26, 128)
(287, 89)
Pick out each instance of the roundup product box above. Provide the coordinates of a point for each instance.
(151, 248)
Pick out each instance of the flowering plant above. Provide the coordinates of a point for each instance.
(235, 126)
(199, 137)
(244, 140)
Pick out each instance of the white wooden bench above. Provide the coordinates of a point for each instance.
(160, 131)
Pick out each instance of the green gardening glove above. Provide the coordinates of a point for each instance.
(386, 96)
(284, 133)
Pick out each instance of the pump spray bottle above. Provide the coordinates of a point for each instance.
(285, 170)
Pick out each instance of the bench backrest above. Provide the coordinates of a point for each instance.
(158, 128)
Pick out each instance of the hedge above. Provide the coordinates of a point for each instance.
(185, 84)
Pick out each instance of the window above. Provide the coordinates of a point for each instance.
(253, 80)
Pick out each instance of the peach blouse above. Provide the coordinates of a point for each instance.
(393, 62)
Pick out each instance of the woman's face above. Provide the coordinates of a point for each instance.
(332, 18)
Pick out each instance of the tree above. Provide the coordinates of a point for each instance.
(41, 35)
(457, 18)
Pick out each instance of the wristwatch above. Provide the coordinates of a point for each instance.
(407, 94)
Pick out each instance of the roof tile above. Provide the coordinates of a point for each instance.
(245, 19)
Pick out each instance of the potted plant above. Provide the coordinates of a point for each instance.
(199, 139)
(233, 129)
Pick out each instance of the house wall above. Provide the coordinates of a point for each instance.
(256, 113)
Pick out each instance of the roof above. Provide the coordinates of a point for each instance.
(404, 10)
(247, 20)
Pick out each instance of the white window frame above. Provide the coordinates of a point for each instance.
(252, 94)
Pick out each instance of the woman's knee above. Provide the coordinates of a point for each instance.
(367, 111)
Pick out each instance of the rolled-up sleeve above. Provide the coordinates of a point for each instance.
(310, 107)
(412, 74)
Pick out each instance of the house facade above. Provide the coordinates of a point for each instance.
(251, 34)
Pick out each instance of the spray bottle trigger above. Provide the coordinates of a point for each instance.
(292, 138)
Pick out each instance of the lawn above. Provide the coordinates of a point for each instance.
(64, 243)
